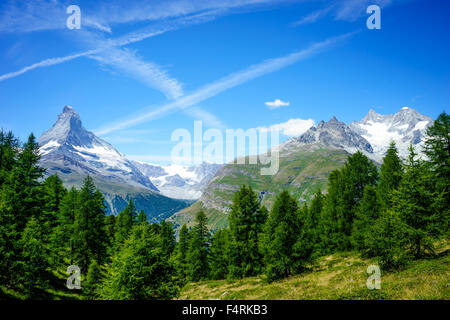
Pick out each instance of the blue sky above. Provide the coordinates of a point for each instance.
(138, 70)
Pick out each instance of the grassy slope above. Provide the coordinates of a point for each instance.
(56, 290)
(301, 172)
(339, 276)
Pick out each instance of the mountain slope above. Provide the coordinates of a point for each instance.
(307, 160)
(302, 171)
(340, 276)
(72, 152)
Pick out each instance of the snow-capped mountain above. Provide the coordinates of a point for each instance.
(69, 148)
(333, 133)
(372, 135)
(405, 127)
(72, 152)
(178, 181)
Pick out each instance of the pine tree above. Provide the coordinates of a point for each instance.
(391, 172)
(33, 274)
(140, 269)
(167, 237)
(358, 172)
(329, 232)
(197, 255)
(9, 149)
(281, 241)
(313, 217)
(181, 252)
(219, 255)
(437, 149)
(91, 285)
(124, 223)
(20, 200)
(367, 214)
(89, 237)
(64, 235)
(142, 217)
(110, 227)
(246, 220)
(388, 240)
(53, 192)
(420, 205)
(345, 191)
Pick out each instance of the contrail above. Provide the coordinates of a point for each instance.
(118, 42)
(225, 83)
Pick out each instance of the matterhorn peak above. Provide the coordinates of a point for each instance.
(68, 109)
(68, 126)
(76, 150)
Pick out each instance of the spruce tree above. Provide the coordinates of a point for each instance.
(125, 221)
(142, 217)
(64, 236)
(387, 239)
(366, 215)
(313, 217)
(246, 220)
(437, 149)
(181, 252)
(110, 227)
(140, 269)
(53, 192)
(33, 274)
(280, 239)
(219, 255)
(391, 172)
(9, 148)
(168, 237)
(358, 172)
(197, 255)
(89, 237)
(420, 205)
(20, 200)
(345, 191)
(92, 282)
(329, 231)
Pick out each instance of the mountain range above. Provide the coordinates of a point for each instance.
(307, 160)
(179, 181)
(73, 152)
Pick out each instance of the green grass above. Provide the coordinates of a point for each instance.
(338, 277)
(55, 290)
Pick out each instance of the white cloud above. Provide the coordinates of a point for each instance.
(223, 84)
(277, 103)
(292, 127)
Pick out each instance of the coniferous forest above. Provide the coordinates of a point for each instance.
(395, 213)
